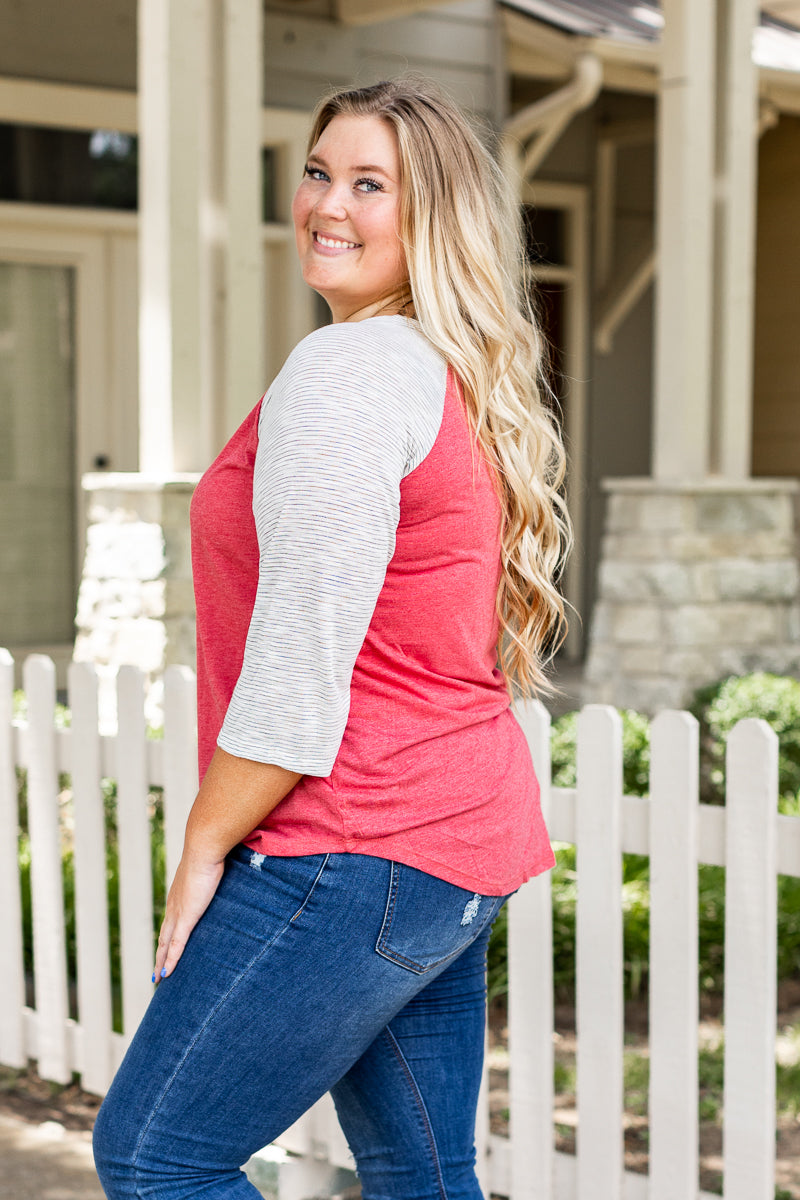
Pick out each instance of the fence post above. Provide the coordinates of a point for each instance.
(530, 1003)
(91, 896)
(12, 966)
(673, 955)
(750, 961)
(49, 950)
(180, 759)
(135, 869)
(599, 987)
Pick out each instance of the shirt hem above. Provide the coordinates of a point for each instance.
(471, 883)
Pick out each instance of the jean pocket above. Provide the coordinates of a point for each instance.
(428, 920)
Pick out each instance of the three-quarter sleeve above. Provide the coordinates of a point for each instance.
(355, 408)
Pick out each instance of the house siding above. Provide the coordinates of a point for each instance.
(95, 45)
(454, 45)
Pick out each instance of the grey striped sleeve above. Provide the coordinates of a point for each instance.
(355, 408)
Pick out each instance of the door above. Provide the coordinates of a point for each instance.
(37, 455)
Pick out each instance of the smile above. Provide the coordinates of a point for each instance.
(334, 243)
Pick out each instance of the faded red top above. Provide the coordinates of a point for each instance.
(433, 770)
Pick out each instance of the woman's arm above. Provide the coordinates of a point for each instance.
(234, 797)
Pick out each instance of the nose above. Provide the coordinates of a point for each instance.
(332, 203)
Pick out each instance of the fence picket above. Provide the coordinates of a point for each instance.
(12, 967)
(673, 956)
(180, 759)
(49, 949)
(750, 961)
(135, 872)
(530, 1003)
(91, 898)
(599, 988)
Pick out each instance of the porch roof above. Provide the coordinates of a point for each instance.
(776, 43)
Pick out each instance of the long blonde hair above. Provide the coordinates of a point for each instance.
(468, 289)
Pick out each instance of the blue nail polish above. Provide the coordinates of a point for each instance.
(154, 977)
(163, 972)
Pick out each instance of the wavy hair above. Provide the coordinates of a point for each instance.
(470, 292)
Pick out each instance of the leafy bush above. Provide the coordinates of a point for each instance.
(635, 752)
(773, 698)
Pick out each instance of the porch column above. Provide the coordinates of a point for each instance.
(737, 140)
(232, 349)
(200, 327)
(173, 431)
(684, 236)
(201, 337)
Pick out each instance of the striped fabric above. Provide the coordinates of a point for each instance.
(355, 409)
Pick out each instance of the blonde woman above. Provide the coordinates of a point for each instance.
(385, 519)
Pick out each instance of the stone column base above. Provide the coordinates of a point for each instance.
(136, 604)
(697, 581)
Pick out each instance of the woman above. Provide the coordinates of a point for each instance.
(367, 799)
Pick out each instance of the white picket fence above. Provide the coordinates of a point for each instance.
(748, 837)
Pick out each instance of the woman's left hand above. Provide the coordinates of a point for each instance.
(192, 891)
(235, 795)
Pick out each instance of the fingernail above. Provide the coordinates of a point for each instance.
(163, 972)
(154, 977)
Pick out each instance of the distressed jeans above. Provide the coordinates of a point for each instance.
(339, 972)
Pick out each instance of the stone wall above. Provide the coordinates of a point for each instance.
(135, 603)
(696, 582)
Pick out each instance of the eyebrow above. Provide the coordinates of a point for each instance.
(362, 167)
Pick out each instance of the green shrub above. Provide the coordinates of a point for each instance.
(635, 752)
(773, 698)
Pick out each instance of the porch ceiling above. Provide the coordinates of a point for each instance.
(626, 35)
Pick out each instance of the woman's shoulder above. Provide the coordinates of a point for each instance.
(378, 348)
(378, 374)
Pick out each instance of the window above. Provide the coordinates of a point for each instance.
(83, 168)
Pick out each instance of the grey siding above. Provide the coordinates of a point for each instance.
(83, 42)
(453, 44)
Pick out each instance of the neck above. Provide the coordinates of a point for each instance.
(396, 304)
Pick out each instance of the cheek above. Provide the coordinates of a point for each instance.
(384, 234)
(301, 207)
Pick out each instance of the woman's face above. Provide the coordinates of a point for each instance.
(346, 213)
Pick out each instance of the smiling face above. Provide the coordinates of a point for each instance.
(346, 213)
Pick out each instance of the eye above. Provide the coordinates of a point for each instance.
(369, 185)
(314, 172)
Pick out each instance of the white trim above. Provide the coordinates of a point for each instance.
(56, 216)
(573, 198)
(67, 106)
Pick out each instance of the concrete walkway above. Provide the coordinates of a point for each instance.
(49, 1162)
(46, 1162)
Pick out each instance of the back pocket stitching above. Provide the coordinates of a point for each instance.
(400, 959)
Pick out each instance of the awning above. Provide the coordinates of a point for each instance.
(776, 43)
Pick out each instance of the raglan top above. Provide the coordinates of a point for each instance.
(346, 556)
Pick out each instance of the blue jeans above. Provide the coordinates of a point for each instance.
(340, 972)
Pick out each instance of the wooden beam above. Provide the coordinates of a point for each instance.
(734, 275)
(171, 431)
(684, 223)
(369, 12)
